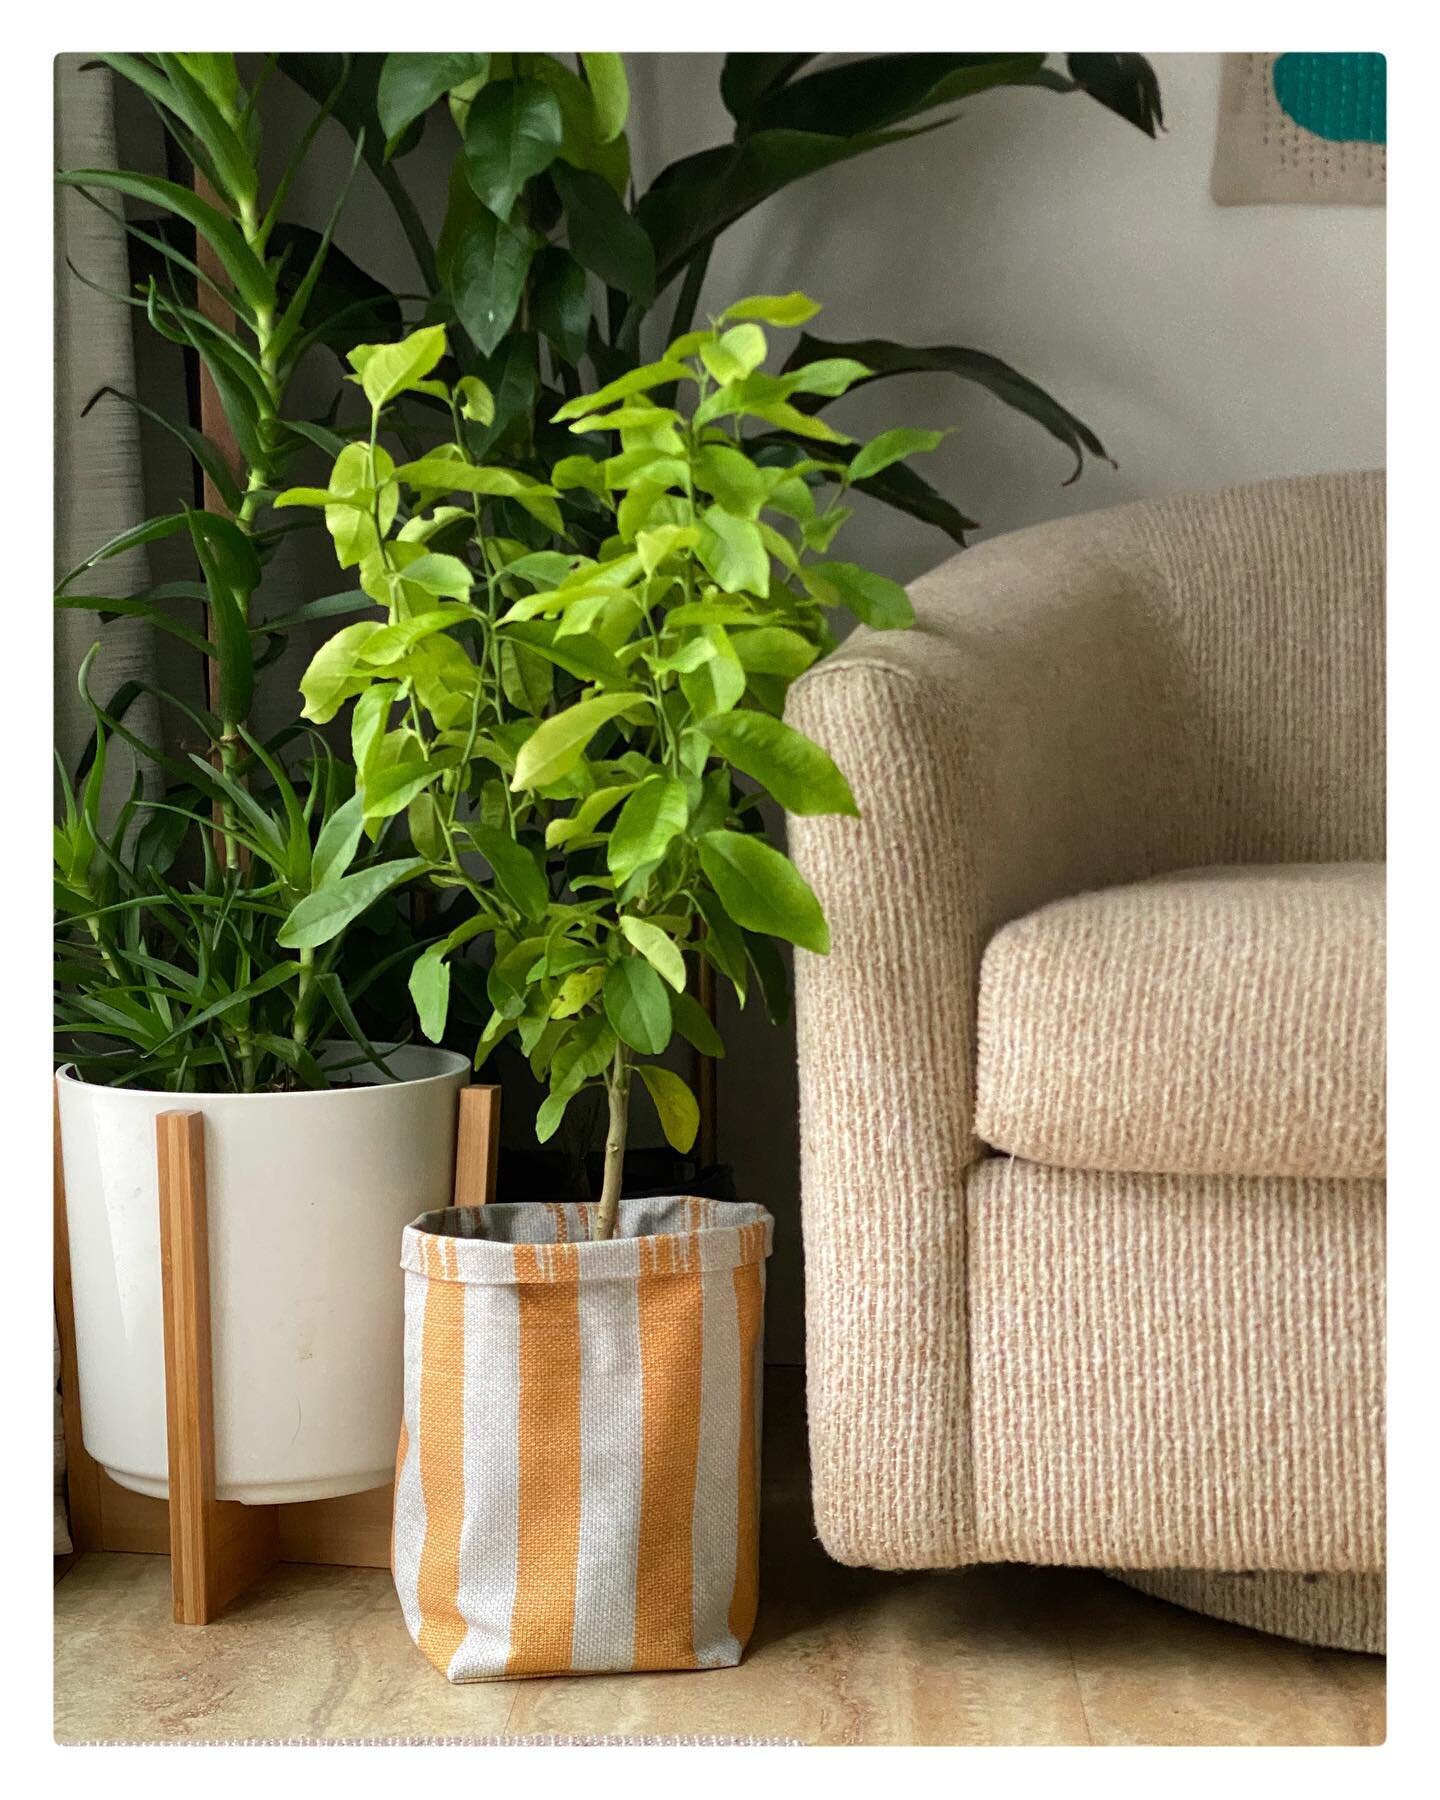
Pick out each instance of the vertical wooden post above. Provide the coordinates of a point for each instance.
(216, 1547)
(477, 1146)
(707, 1140)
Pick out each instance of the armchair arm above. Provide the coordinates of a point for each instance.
(1016, 745)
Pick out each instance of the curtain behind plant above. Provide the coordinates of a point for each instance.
(99, 488)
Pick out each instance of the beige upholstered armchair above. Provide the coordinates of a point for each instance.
(1092, 1081)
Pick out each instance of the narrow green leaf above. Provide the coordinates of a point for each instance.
(252, 279)
(338, 841)
(325, 914)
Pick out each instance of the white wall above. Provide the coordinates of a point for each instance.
(1204, 344)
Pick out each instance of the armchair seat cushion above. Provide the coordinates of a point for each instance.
(1218, 1021)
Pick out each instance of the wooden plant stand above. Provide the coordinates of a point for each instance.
(218, 1547)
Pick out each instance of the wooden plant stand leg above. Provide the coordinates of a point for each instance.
(217, 1547)
(477, 1146)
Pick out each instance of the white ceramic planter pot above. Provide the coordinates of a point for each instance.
(307, 1195)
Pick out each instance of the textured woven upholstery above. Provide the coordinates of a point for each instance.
(1176, 685)
(1176, 1370)
(1215, 1022)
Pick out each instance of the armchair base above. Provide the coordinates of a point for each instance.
(1341, 1612)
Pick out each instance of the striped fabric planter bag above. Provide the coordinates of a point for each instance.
(577, 1486)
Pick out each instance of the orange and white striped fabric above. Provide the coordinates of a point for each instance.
(577, 1486)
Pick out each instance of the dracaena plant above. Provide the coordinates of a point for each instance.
(583, 742)
(550, 265)
(169, 972)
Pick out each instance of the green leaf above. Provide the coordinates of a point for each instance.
(736, 354)
(585, 1053)
(636, 1005)
(695, 1026)
(773, 650)
(874, 599)
(325, 914)
(430, 990)
(998, 378)
(199, 446)
(488, 279)
(634, 381)
(762, 890)
(517, 873)
(692, 201)
(476, 401)
(581, 655)
(550, 1114)
(390, 790)
(229, 578)
(576, 991)
(603, 236)
(554, 747)
(653, 815)
(605, 73)
(830, 376)
(783, 310)
(718, 683)
(869, 93)
(679, 1114)
(512, 134)
(560, 302)
(252, 279)
(733, 553)
(1125, 83)
(586, 816)
(391, 369)
(333, 676)
(891, 447)
(797, 772)
(658, 950)
(411, 81)
(769, 966)
(337, 843)
(748, 75)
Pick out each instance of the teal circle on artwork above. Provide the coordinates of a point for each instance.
(1339, 95)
